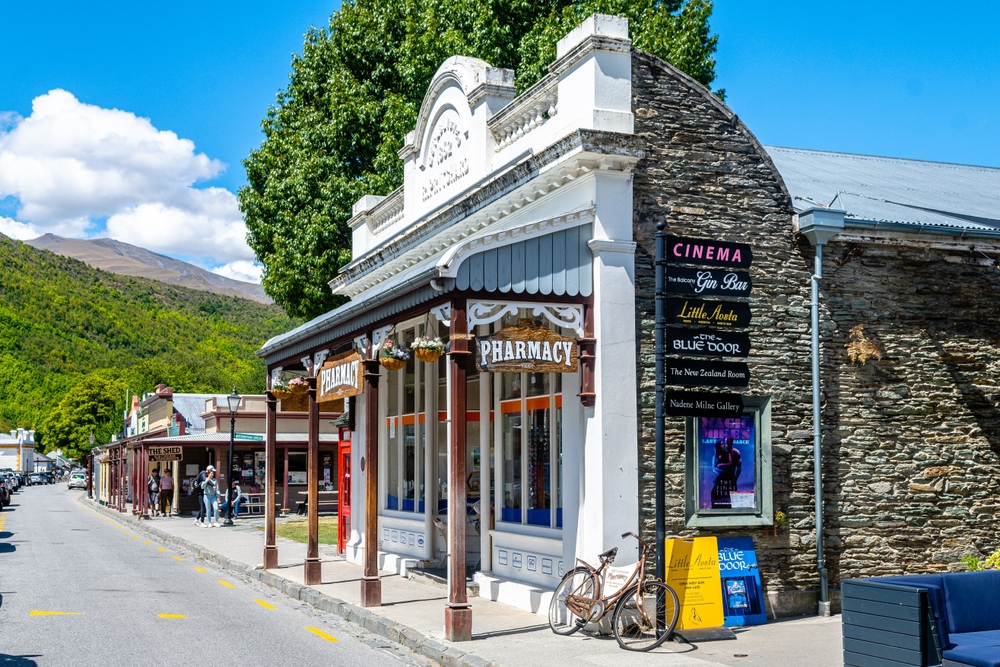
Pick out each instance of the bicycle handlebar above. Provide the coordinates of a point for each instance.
(641, 541)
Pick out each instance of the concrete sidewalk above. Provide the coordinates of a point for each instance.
(412, 612)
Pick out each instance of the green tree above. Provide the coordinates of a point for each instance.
(90, 408)
(333, 134)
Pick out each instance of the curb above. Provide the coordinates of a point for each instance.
(414, 640)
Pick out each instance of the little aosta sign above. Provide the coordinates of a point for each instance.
(526, 347)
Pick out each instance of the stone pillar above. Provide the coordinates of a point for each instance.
(371, 585)
(270, 478)
(457, 613)
(313, 567)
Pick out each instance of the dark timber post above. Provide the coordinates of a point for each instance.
(270, 481)
(457, 613)
(371, 585)
(313, 568)
(661, 255)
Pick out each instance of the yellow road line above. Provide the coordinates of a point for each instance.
(147, 542)
(178, 558)
(171, 615)
(135, 537)
(161, 549)
(226, 583)
(320, 633)
(55, 613)
(265, 605)
(200, 569)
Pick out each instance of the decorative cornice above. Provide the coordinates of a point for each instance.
(598, 246)
(584, 48)
(529, 111)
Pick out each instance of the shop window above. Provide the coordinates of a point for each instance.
(728, 468)
(405, 434)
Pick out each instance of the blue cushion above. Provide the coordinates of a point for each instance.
(985, 638)
(935, 591)
(970, 598)
(977, 656)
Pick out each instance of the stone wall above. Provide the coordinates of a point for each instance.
(910, 441)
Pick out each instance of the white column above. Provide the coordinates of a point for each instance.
(485, 548)
(355, 546)
(430, 452)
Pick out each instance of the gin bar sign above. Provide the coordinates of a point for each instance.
(713, 313)
(707, 252)
(526, 347)
(708, 282)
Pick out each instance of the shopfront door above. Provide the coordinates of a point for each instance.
(344, 490)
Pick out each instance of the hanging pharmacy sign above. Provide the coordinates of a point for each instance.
(526, 347)
(707, 252)
(340, 377)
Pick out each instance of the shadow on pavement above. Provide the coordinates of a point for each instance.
(18, 660)
(5, 534)
(6, 548)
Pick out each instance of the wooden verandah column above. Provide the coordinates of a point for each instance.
(457, 612)
(371, 585)
(313, 567)
(270, 481)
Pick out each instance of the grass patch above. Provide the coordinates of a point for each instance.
(298, 530)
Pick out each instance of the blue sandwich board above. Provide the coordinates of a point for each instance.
(742, 593)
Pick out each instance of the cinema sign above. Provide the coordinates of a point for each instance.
(707, 252)
(340, 377)
(526, 348)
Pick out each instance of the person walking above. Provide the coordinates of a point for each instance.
(211, 487)
(199, 493)
(236, 494)
(153, 485)
(166, 492)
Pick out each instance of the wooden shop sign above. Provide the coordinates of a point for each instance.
(706, 343)
(701, 404)
(712, 313)
(707, 282)
(698, 373)
(681, 250)
(526, 347)
(340, 377)
(161, 454)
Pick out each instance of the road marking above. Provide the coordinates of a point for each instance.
(200, 569)
(265, 605)
(147, 542)
(55, 613)
(320, 633)
(171, 615)
(226, 583)
(161, 549)
(178, 558)
(135, 537)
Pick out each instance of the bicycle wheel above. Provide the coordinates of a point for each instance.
(645, 617)
(577, 588)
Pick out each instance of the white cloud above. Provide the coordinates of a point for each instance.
(17, 230)
(249, 272)
(69, 163)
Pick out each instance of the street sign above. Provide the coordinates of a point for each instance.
(706, 343)
(698, 373)
(163, 454)
(681, 250)
(708, 282)
(248, 436)
(701, 404)
(341, 377)
(732, 314)
(526, 347)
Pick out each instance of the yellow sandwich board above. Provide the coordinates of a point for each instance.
(693, 573)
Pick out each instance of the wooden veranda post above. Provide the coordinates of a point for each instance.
(457, 613)
(371, 585)
(270, 481)
(313, 568)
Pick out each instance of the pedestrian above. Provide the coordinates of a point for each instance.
(236, 494)
(211, 488)
(199, 493)
(153, 485)
(166, 492)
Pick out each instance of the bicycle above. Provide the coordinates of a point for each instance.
(645, 610)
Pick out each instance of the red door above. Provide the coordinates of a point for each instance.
(344, 490)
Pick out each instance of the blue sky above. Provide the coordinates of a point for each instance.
(914, 79)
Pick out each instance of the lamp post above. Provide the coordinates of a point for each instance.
(234, 405)
(90, 467)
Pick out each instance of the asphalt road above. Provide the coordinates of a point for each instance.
(78, 589)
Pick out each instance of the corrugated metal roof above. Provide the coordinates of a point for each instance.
(191, 406)
(198, 439)
(885, 189)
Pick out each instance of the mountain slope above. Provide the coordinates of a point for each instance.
(118, 257)
(62, 321)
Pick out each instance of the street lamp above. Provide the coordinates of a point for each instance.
(90, 467)
(234, 405)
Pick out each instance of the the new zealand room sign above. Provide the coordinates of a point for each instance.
(699, 373)
(708, 282)
(706, 343)
(707, 252)
(526, 347)
(341, 377)
(731, 314)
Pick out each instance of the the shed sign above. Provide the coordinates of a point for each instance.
(340, 377)
(526, 347)
(171, 453)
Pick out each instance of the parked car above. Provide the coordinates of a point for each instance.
(4, 493)
(78, 480)
(34, 478)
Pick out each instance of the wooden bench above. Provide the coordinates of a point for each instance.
(327, 502)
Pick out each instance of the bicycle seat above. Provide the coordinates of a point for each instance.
(609, 555)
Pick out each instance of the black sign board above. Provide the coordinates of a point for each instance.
(732, 314)
(706, 343)
(708, 282)
(681, 250)
(701, 404)
(698, 373)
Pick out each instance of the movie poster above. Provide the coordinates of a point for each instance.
(727, 476)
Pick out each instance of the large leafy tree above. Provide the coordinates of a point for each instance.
(354, 93)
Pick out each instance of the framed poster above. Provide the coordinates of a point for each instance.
(260, 462)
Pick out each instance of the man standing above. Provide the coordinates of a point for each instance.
(200, 494)
(166, 492)
(153, 484)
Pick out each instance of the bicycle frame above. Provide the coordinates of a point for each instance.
(591, 608)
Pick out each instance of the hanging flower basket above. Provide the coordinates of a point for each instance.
(393, 356)
(298, 386)
(281, 394)
(427, 349)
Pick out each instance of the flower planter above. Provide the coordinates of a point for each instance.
(393, 364)
(281, 394)
(427, 355)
